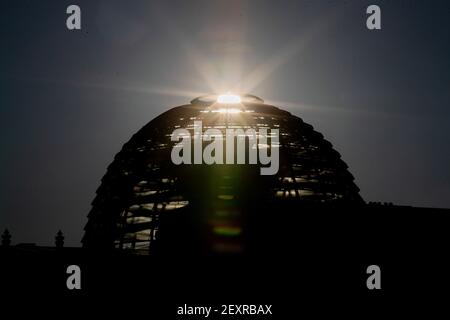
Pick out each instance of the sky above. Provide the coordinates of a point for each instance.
(69, 100)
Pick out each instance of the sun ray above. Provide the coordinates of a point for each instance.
(285, 54)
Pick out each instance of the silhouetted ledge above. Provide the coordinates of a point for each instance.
(317, 251)
(306, 227)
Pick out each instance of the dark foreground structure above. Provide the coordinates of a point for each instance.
(162, 235)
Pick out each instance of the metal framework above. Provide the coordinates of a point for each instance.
(142, 188)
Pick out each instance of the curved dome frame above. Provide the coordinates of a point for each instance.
(142, 190)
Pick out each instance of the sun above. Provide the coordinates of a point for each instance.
(229, 98)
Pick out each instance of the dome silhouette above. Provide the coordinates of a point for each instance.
(146, 202)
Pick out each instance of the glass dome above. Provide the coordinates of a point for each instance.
(146, 202)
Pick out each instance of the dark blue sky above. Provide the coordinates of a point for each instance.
(70, 99)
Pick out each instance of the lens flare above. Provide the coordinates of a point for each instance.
(227, 110)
